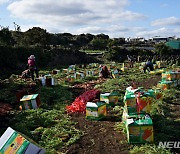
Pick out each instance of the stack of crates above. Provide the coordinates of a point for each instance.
(137, 106)
(48, 80)
(169, 80)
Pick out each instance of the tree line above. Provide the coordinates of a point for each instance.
(49, 46)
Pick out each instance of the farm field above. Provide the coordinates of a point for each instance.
(57, 130)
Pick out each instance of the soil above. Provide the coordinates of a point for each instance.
(100, 136)
(149, 82)
(5, 108)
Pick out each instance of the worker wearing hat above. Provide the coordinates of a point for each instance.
(32, 66)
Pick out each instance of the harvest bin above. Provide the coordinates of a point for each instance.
(111, 99)
(139, 129)
(130, 100)
(48, 80)
(11, 142)
(30, 101)
(135, 104)
(164, 85)
(169, 76)
(130, 112)
(95, 111)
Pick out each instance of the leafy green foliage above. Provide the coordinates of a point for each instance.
(166, 123)
(120, 126)
(98, 44)
(148, 149)
(49, 128)
(162, 49)
(6, 37)
(57, 97)
(35, 36)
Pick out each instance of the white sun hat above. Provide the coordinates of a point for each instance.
(32, 57)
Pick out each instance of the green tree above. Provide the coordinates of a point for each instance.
(116, 53)
(6, 36)
(162, 49)
(99, 44)
(36, 36)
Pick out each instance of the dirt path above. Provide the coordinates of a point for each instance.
(149, 82)
(100, 136)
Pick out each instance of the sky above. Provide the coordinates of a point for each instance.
(116, 18)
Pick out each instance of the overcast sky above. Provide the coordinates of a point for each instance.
(116, 18)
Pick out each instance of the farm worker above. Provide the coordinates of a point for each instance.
(104, 72)
(148, 66)
(32, 67)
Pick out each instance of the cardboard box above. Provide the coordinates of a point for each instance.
(169, 76)
(11, 142)
(140, 104)
(144, 103)
(129, 112)
(30, 101)
(48, 80)
(95, 111)
(54, 81)
(140, 129)
(42, 81)
(130, 100)
(164, 85)
(130, 90)
(111, 99)
(156, 93)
